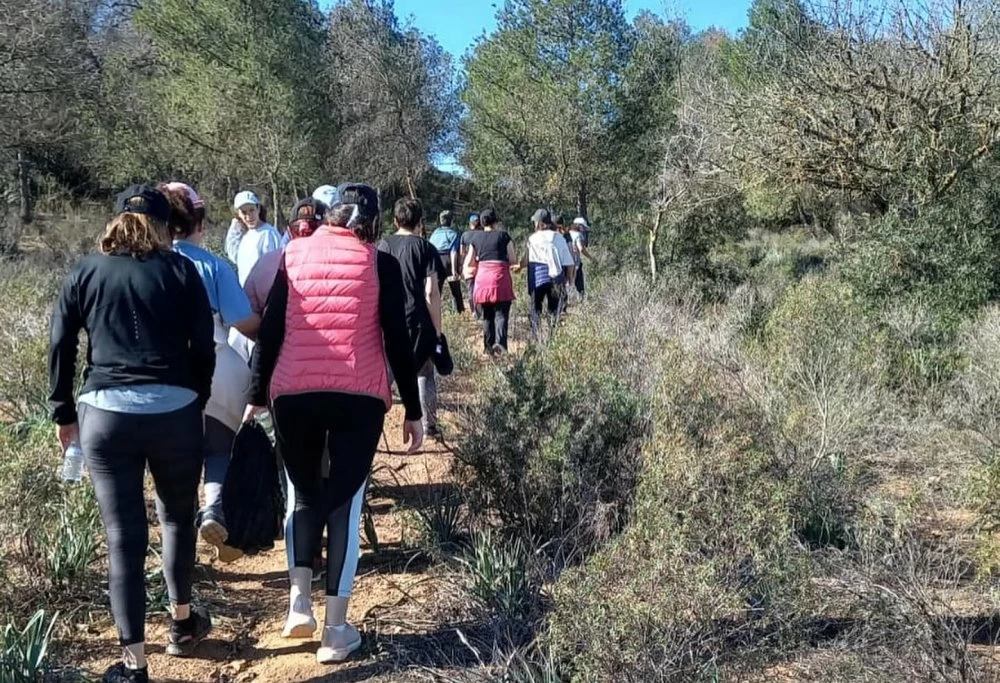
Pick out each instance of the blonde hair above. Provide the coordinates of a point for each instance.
(136, 234)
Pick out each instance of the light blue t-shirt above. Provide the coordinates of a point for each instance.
(445, 239)
(140, 399)
(225, 296)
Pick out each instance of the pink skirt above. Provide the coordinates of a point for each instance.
(493, 283)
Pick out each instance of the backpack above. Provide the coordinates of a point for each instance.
(252, 498)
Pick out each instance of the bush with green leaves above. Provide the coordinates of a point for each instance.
(550, 449)
(499, 576)
(24, 653)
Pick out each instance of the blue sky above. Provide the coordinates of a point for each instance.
(458, 23)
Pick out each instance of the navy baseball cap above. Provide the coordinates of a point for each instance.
(363, 196)
(144, 199)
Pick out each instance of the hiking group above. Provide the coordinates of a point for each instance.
(313, 326)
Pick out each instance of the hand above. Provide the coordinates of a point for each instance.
(67, 434)
(251, 413)
(413, 434)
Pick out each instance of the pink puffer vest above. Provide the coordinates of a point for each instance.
(333, 338)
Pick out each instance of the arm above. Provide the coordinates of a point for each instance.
(202, 334)
(455, 260)
(269, 339)
(234, 303)
(512, 257)
(433, 293)
(249, 327)
(470, 258)
(233, 237)
(398, 351)
(64, 333)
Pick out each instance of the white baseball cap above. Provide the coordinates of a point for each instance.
(244, 198)
(582, 222)
(328, 194)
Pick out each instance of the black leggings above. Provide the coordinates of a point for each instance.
(349, 426)
(495, 320)
(118, 446)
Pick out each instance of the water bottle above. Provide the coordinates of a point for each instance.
(72, 469)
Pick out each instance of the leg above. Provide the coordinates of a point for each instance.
(502, 317)
(427, 384)
(117, 466)
(355, 433)
(579, 281)
(300, 435)
(456, 293)
(537, 298)
(176, 457)
(489, 326)
(218, 447)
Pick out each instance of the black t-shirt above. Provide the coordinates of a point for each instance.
(418, 260)
(490, 245)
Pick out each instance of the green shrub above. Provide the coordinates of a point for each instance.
(709, 561)
(499, 576)
(24, 652)
(439, 518)
(71, 541)
(550, 449)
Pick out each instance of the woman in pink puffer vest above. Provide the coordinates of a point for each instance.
(335, 315)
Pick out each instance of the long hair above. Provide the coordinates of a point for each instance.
(135, 234)
(367, 229)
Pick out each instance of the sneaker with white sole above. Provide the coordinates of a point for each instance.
(338, 643)
(299, 626)
(214, 532)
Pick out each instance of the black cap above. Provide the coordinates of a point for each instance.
(542, 216)
(144, 199)
(364, 196)
(309, 208)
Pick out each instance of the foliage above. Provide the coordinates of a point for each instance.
(499, 576)
(552, 454)
(24, 653)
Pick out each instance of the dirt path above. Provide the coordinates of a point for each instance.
(248, 598)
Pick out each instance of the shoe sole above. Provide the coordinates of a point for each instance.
(328, 655)
(186, 649)
(299, 631)
(215, 534)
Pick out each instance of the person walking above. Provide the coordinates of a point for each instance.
(230, 309)
(448, 244)
(150, 362)
(550, 264)
(335, 315)
(493, 257)
(471, 234)
(578, 234)
(421, 268)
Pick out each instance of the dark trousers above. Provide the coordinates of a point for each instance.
(495, 321)
(118, 447)
(347, 425)
(456, 293)
(552, 294)
(579, 280)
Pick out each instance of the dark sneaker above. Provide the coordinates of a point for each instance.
(120, 673)
(185, 635)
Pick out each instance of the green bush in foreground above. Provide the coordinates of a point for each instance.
(551, 453)
(24, 652)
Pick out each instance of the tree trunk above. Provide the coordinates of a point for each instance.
(279, 218)
(653, 234)
(24, 189)
(581, 200)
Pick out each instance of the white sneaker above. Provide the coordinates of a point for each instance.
(300, 622)
(338, 643)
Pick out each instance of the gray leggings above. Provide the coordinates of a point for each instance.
(118, 446)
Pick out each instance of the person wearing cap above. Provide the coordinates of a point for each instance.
(335, 315)
(230, 309)
(150, 360)
(250, 236)
(448, 244)
(549, 263)
(492, 256)
(422, 270)
(468, 237)
(578, 234)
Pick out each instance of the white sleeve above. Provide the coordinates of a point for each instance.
(269, 241)
(233, 237)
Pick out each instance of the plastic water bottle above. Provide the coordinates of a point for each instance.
(72, 469)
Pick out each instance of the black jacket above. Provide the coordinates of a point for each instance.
(147, 319)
